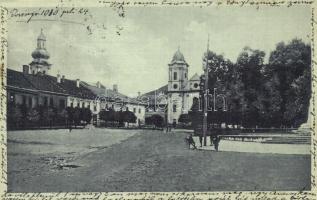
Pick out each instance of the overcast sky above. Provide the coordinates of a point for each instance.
(137, 59)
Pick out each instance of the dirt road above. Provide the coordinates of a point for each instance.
(143, 161)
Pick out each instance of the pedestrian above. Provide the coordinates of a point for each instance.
(191, 141)
(70, 128)
(201, 140)
(216, 140)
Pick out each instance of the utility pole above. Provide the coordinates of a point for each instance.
(205, 111)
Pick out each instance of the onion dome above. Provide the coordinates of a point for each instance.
(40, 53)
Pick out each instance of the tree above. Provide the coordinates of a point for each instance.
(249, 65)
(33, 116)
(77, 115)
(157, 120)
(195, 115)
(86, 115)
(129, 117)
(290, 68)
(63, 116)
(14, 115)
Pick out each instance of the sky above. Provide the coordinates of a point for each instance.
(137, 58)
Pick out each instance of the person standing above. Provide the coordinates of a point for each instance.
(216, 140)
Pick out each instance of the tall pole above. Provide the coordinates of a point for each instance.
(205, 111)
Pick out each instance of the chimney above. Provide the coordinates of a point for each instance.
(58, 78)
(77, 83)
(63, 78)
(105, 92)
(98, 84)
(115, 88)
(26, 69)
(139, 94)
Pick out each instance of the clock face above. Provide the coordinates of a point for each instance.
(196, 85)
(175, 86)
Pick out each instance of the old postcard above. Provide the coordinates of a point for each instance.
(158, 99)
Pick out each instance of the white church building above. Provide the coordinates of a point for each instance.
(180, 91)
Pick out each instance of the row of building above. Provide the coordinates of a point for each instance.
(34, 86)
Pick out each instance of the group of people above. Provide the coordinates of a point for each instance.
(214, 140)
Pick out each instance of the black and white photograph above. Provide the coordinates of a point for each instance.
(159, 98)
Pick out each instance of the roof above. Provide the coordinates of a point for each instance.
(43, 83)
(156, 96)
(160, 90)
(195, 77)
(17, 79)
(47, 83)
(71, 88)
(109, 94)
(178, 58)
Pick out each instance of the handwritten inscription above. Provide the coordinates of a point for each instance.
(28, 15)
(205, 3)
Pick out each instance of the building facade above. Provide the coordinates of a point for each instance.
(181, 90)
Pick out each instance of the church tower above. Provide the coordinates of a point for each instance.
(177, 86)
(178, 72)
(40, 56)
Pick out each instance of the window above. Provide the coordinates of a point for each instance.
(30, 102)
(175, 75)
(175, 86)
(51, 102)
(134, 110)
(196, 85)
(174, 108)
(139, 110)
(23, 100)
(45, 101)
(78, 104)
(72, 104)
(83, 105)
(95, 108)
(185, 75)
(61, 103)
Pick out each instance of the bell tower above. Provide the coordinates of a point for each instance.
(177, 87)
(178, 73)
(40, 64)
